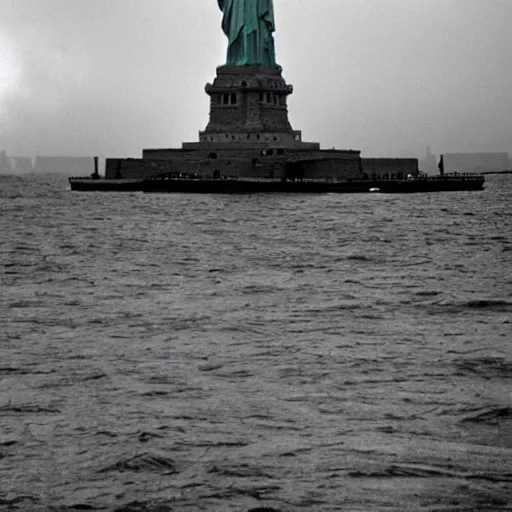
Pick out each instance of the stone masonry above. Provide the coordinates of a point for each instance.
(250, 136)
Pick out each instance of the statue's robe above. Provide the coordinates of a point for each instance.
(249, 26)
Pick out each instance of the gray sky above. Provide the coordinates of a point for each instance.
(389, 77)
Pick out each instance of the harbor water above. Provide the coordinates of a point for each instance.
(229, 353)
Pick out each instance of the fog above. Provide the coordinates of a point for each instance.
(389, 77)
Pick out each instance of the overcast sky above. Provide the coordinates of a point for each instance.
(389, 77)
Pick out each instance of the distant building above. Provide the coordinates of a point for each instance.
(476, 162)
(429, 163)
(21, 164)
(72, 166)
(5, 163)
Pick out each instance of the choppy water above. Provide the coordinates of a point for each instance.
(300, 353)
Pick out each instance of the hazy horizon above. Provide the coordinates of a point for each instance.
(110, 78)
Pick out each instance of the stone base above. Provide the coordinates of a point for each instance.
(249, 105)
(330, 165)
(249, 136)
(237, 162)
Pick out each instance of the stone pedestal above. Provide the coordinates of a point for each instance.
(248, 106)
(248, 135)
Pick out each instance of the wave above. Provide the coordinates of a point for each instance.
(416, 471)
(258, 492)
(27, 409)
(152, 506)
(486, 367)
(458, 306)
(143, 506)
(263, 509)
(489, 415)
(242, 471)
(359, 257)
(144, 462)
(17, 501)
(428, 293)
(84, 506)
(7, 444)
(145, 437)
(21, 304)
(488, 304)
(401, 471)
(9, 370)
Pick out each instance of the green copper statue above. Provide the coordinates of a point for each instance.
(249, 25)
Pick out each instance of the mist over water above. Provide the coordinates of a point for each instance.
(224, 353)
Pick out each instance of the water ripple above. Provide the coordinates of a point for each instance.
(266, 353)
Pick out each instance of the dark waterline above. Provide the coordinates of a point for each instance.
(225, 353)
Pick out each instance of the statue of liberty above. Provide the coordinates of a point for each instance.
(249, 26)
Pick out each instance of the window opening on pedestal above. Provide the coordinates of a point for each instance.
(225, 99)
(234, 99)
